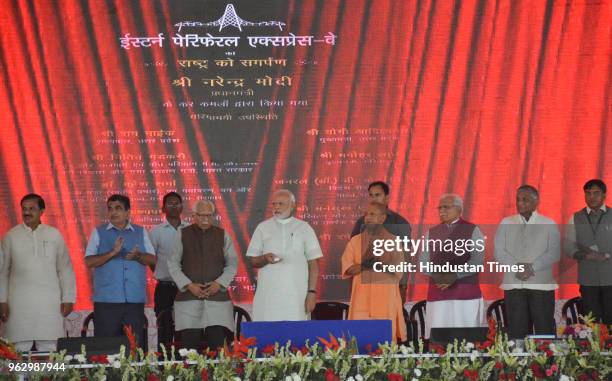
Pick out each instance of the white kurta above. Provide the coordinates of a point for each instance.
(36, 277)
(282, 287)
(454, 313)
(536, 241)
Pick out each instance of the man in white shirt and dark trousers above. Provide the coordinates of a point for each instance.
(530, 240)
(162, 237)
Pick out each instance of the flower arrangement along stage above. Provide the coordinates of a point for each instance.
(577, 356)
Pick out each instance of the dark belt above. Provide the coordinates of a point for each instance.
(166, 283)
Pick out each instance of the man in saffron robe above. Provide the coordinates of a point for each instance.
(374, 294)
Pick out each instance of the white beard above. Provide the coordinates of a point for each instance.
(283, 216)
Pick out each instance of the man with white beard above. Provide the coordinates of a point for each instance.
(285, 249)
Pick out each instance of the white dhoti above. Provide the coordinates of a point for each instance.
(454, 314)
(197, 314)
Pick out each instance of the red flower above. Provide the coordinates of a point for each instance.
(211, 354)
(471, 374)
(240, 371)
(330, 375)
(129, 332)
(437, 348)
(395, 377)
(377, 352)
(204, 374)
(603, 335)
(101, 359)
(7, 353)
(332, 344)
(583, 377)
(492, 329)
(503, 376)
(595, 375)
(512, 376)
(499, 365)
(295, 349)
(549, 353)
(152, 377)
(240, 348)
(537, 370)
(268, 350)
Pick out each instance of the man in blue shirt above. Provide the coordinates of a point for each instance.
(119, 252)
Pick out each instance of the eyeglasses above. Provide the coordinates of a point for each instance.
(446, 207)
(203, 215)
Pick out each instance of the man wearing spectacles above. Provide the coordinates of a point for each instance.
(454, 298)
(203, 263)
(286, 250)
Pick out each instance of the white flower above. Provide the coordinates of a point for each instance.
(288, 378)
(517, 350)
(564, 378)
(68, 358)
(469, 346)
(474, 355)
(80, 358)
(295, 377)
(236, 379)
(116, 364)
(510, 343)
(583, 334)
(350, 379)
(415, 379)
(417, 372)
(359, 377)
(170, 378)
(405, 350)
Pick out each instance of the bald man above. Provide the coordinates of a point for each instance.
(375, 294)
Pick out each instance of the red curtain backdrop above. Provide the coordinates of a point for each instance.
(472, 97)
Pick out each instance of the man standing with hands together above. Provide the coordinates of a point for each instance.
(120, 277)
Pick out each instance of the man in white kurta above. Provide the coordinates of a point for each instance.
(37, 283)
(285, 249)
(530, 240)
